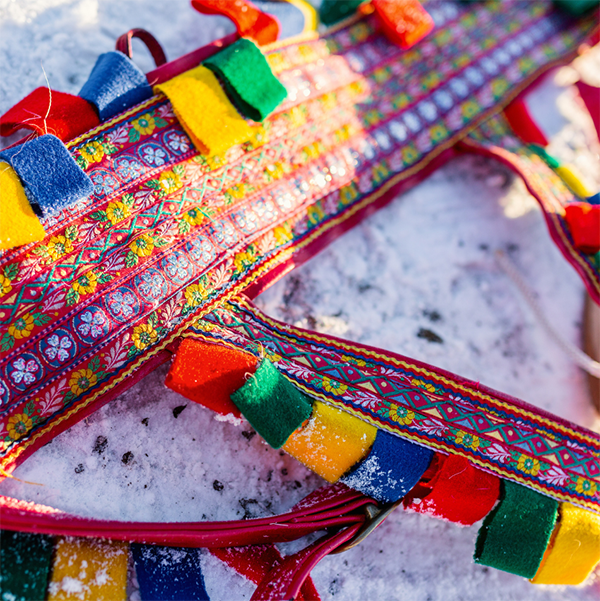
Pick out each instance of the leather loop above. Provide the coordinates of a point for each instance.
(123, 44)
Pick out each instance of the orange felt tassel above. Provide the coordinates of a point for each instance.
(583, 220)
(208, 373)
(404, 22)
(249, 21)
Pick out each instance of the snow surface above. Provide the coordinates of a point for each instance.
(418, 278)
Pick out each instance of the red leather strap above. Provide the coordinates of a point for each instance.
(340, 509)
(258, 562)
(123, 45)
(591, 98)
(522, 123)
(285, 580)
(255, 562)
(189, 60)
(249, 21)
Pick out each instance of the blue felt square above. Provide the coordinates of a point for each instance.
(594, 200)
(115, 84)
(51, 177)
(390, 470)
(168, 574)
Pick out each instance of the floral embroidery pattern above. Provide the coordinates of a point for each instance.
(144, 336)
(92, 324)
(58, 348)
(122, 304)
(18, 425)
(528, 465)
(24, 371)
(81, 380)
(360, 135)
(22, 327)
(403, 403)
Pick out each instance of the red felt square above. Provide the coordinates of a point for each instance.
(49, 112)
(583, 220)
(208, 373)
(458, 492)
(404, 22)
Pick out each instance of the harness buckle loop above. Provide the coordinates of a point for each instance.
(375, 515)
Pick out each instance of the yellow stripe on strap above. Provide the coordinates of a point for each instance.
(18, 223)
(331, 442)
(205, 112)
(88, 569)
(575, 550)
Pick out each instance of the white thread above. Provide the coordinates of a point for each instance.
(579, 357)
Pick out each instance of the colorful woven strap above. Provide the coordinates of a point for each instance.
(168, 233)
(421, 403)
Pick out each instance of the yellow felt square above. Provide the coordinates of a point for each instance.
(89, 569)
(575, 550)
(18, 223)
(331, 442)
(570, 177)
(205, 112)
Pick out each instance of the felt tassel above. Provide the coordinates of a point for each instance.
(248, 79)
(115, 84)
(458, 492)
(567, 173)
(332, 441)
(24, 565)
(514, 536)
(594, 200)
(87, 569)
(47, 111)
(209, 373)
(274, 407)
(518, 116)
(591, 98)
(332, 11)
(576, 7)
(390, 470)
(583, 220)
(205, 112)
(249, 21)
(572, 179)
(51, 177)
(404, 22)
(575, 549)
(548, 158)
(18, 223)
(168, 574)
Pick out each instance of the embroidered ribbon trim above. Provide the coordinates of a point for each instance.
(422, 404)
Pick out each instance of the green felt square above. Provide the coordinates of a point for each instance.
(332, 11)
(515, 534)
(248, 80)
(577, 7)
(25, 561)
(274, 407)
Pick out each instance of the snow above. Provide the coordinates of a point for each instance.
(419, 278)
